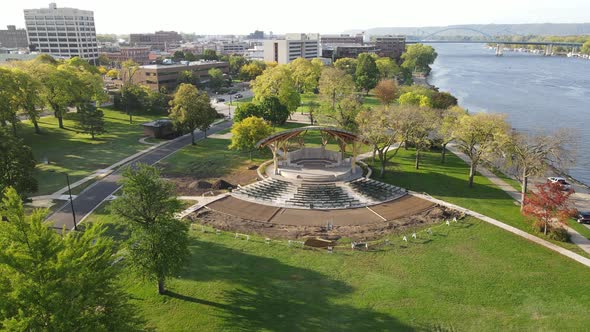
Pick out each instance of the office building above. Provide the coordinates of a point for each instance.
(62, 32)
(390, 46)
(257, 34)
(341, 40)
(336, 52)
(160, 40)
(295, 45)
(229, 48)
(13, 37)
(166, 76)
(141, 55)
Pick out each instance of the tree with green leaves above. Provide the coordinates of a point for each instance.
(58, 89)
(415, 125)
(236, 62)
(418, 58)
(91, 120)
(377, 126)
(252, 70)
(246, 110)
(449, 119)
(367, 74)
(53, 282)
(158, 245)
(348, 65)
(113, 74)
(191, 110)
(28, 96)
(335, 85)
(277, 82)
(247, 133)
(216, 79)
(17, 164)
(586, 47)
(480, 135)
(274, 111)
(210, 55)
(412, 98)
(387, 68)
(443, 100)
(306, 74)
(8, 107)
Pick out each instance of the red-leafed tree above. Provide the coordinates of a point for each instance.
(548, 206)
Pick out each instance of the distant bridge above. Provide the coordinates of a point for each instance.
(491, 41)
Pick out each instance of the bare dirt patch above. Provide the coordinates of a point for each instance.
(194, 185)
(364, 232)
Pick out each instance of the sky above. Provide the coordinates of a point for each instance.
(323, 16)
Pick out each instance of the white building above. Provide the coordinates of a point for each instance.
(231, 48)
(62, 32)
(295, 45)
(255, 53)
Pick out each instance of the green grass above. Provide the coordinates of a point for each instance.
(67, 151)
(448, 182)
(579, 228)
(469, 276)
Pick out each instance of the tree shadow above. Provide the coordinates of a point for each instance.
(270, 295)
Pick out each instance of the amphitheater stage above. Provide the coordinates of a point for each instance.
(400, 208)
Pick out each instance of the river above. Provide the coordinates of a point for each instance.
(536, 92)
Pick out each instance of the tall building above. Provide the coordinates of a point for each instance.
(160, 40)
(257, 34)
(62, 32)
(295, 45)
(390, 46)
(13, 37)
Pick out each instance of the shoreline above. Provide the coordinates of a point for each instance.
(422, 80)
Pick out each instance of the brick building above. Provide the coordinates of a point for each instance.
(157, 77)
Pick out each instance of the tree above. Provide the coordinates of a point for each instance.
(346, 113)
(8, 107)
(586, 47)
(443, 100)
(277, 82)
(480, 135)
(53, 282)
(215, 78)
(177, 56)
(113, 73)
(367, 74)
(386, 90)
(274, 111)
(387, 68)
(446, 128)
(236, 62)
(246, 110)
(247, 133)
(530, 155)
(27, 97)
(133, 97)
(209, 55)
(103, 60)
(128, 70)
(191, 110)
(412, 98)
(91, 120)
(312, 108)
(306, 74)
(418, 57)
(59, 89)
(548, 207)
(348, 65)
(334, 86)
(17, 164)
(415, 125)
(377, 127)
(252, 70)
(158, 246)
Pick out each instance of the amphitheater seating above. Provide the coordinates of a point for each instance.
(318, 195)
(375, 190)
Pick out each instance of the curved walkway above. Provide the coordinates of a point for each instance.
(575, 237)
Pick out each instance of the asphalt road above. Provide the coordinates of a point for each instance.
(94, 195)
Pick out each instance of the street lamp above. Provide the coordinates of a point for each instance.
(229, 111)
(71, 202)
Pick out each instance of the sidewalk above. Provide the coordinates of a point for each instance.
(575, 237)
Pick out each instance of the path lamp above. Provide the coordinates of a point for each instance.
(71, 202)
(229, 111)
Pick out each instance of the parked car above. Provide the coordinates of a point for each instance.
(219, 100)
(584, 217)
(564, 184)
(238, 96)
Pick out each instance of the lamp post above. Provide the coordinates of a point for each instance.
(71, 202)
(229, 111)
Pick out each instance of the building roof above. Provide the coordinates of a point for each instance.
(181, 65)
(158, 123)
(342, 134)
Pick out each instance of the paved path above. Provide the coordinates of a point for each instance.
(93, 196)
(575, 237)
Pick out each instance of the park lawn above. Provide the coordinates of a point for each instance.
(76, 154)
(579, 228)
(448, 182)
(467, 276)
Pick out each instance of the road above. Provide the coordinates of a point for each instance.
(87, 201)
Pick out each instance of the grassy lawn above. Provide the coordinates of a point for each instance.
(449, 182)
(470, 276)
(67, 151)
(579, 228)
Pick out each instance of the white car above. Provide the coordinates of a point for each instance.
(564, 184)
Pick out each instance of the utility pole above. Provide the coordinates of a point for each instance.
(71, 202)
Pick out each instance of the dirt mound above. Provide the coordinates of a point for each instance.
(222, 185)
(203, 185)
